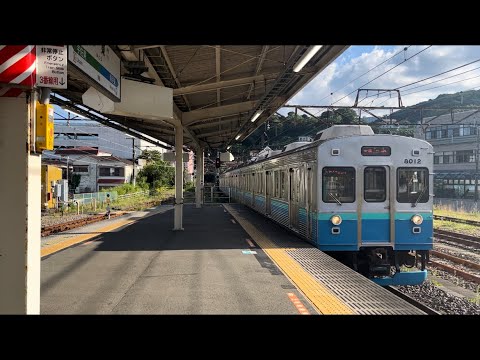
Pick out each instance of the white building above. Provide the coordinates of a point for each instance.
(97, 169)
(95, 135)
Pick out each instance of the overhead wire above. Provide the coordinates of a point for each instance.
(385, 72)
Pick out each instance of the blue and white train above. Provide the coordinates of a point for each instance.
(361, 197)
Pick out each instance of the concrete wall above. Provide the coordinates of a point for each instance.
(20, 190)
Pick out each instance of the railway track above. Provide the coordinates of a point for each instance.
(412, 301)
(48, 230)
(455, 271)
(457, 220)
(454, 260)
(457, 238)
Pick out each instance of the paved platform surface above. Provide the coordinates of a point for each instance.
(138, 265)
(332, 287)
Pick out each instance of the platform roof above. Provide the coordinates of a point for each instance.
(217, 88)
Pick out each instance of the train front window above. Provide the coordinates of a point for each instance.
(375, 188)
(412, 185)
(338, 185)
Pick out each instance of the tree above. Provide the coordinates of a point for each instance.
(151, 156)
(340, 116)
(347, 116)
(74, 182)
(158, 173)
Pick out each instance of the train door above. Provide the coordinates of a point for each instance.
(268, 191)
(375, 211)
(294, 196)
(310, 173)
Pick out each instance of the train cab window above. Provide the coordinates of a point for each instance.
(412, 185)
(338, 185)
(374, 182)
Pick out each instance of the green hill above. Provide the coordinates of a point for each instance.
(470, 98)
(279, 131)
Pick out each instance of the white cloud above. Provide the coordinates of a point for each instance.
(356, 61)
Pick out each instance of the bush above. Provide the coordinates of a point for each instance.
(189, 186)
(124, 189)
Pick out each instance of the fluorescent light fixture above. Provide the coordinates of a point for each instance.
(73, 113)
(306, 57)
(237, 137)
(257, 114)
(228, 147)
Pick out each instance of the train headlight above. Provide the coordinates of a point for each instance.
(336, 220)
(417, 219)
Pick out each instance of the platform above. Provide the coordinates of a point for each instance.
(136, 264)
(331, 286)
(228, 260)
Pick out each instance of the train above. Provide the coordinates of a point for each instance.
(361, 197)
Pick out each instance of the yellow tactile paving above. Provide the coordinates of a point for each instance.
(80, 238)
(319, 295)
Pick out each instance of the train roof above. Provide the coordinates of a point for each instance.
(333, 132)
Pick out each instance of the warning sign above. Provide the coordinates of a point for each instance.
(52, 66)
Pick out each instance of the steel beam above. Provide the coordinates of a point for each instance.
(178, 211)
(218, 85)
(219, 111)
(199, 179)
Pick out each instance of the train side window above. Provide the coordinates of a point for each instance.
(374, 183)
(283, 184)
(338, 185)
(412, 185)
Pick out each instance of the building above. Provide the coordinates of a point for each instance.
(50, 176)
(97, 169)
(455, 140)
(92, 134)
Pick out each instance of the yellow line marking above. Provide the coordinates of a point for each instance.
(78, 239)
(298, 304)
(321, 297)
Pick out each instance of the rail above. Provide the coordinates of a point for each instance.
(457, 220)
(468, 240)
(412, 301)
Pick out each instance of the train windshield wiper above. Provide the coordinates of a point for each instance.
(334, 198)
(418, 199)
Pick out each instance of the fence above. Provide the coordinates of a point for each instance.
(87, 198)
(210, 195)
(100, 197)
(458, 205)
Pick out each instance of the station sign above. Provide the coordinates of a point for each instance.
(99, 66)
(52, 66)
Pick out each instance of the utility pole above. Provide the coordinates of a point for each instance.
(67, 169)
(477, 153)
(133, 158)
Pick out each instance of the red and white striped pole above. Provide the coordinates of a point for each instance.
(17, 69)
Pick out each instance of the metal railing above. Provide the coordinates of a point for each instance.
(210, 195)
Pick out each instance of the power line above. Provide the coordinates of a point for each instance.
(365, 73)
(385, 72)
(436, 87)
(430, 77)
(99, 137)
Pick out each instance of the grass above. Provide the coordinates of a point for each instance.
(137, 203)
(476, 299)
(446, 211)
(456, 227)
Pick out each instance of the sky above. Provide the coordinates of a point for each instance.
(358, 60)
(347, 73)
